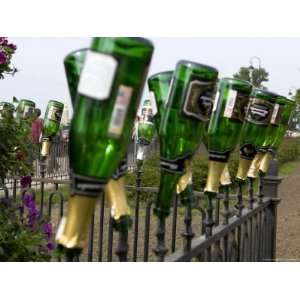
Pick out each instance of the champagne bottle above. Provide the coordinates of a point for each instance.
(281, 116)
(107, 98)
(115, 192)
(183, 121)
(73, 63)
(51, 124)
(146, 131)
(6, 110)
(25, 109)
(225, 126)
(278, 105)
(255, 128)
(159, 87)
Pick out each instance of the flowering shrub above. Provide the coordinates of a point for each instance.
(6, 51)
(24, 234)
(16, 150)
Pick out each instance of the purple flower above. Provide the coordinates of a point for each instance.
(25, 181)
(50, 246)
(12, 46)
(2, 58)
(29, 202)
(3, 40)
(47, 229)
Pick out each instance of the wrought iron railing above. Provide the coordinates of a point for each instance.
(231, 227)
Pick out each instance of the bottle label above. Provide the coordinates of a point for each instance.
(216, 100)
(97, 75)
(259, 112)
(236, 105)
(119, 111)
(54, 114)
(198, 102)
(28, 111)
(147, 114)
(276, 115)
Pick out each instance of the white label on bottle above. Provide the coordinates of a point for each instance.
(119, 111)
(275, 118)
(216, 101)
(97, 75)
(230, 103)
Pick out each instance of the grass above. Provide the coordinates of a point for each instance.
(289, 167)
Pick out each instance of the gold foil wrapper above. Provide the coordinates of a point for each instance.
(115, 194)
(186, 178)
(254, 167)
(215, 170)
(45, 148)
(244, 165)
(73, 229)
(265, 162)
(225, 177)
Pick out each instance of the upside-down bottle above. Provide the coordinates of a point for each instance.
(107, 98)
(225, 126)
(6, 110)
(282, 114)
(255, 128)
(51, 124)
(183, 122)
(145, 132)
(115, 193)
(159, 87)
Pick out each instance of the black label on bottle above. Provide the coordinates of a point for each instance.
(173, 166)
(86, 186)
(147, 114)
(219, 156)
(199, 100)
(259, 112)
(248, 151)
(236, 105)
(54, 114)
(28, 111)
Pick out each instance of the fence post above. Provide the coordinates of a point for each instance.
(270, 189)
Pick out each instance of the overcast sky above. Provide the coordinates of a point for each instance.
(41, 76)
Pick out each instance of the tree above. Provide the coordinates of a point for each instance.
(297, 97)
(254, 75)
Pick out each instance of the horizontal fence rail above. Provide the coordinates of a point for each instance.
(238, 226)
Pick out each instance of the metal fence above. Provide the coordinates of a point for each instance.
(239, 226)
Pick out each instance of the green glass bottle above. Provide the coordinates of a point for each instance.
(25, 109)
(159, 86)
(225, 126)
(51, 124)
(281, 116)
(115, 191)
(6, 110)
(255, 128)
(108, 95)
(183, 122)
(145, 132)
(73, 63)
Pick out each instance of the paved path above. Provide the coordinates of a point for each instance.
(288, 227)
